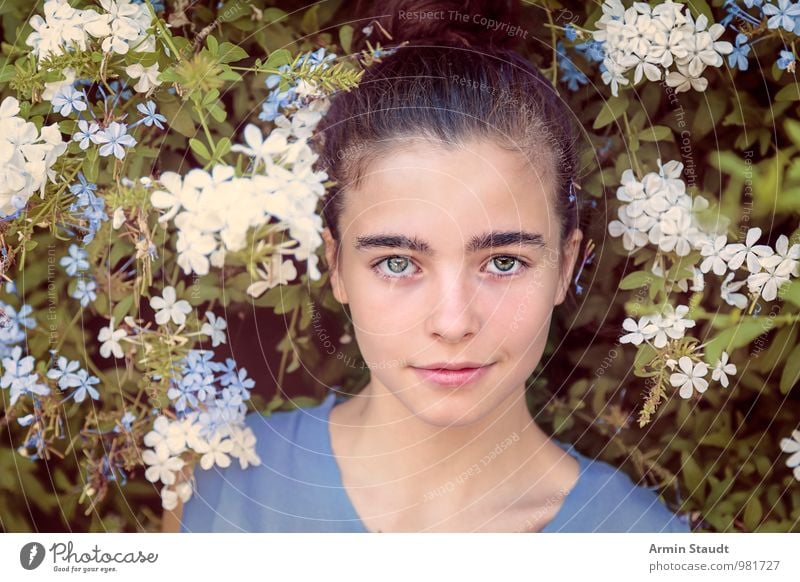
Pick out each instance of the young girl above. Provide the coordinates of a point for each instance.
(451, 236)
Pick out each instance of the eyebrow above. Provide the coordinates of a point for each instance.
(476, 243)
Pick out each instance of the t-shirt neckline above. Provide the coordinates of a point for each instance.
(552, 526)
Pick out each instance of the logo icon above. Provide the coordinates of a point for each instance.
(31, 555)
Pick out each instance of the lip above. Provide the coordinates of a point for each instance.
(448, 377)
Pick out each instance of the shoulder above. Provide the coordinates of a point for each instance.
(227, 498)
(623, 506)
(605, 499)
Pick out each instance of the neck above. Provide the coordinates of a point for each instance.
(455, 462)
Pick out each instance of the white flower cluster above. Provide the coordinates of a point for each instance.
(26, 157)
(658, 211)
(214, 211)
(692, 375)
(650, 40)
(169, 439)
(122, 26)
(670, 323)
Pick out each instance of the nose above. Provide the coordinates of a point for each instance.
(454, 315)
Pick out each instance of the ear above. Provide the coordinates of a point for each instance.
(568, 265)
(331, 257)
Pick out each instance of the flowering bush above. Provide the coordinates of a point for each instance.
(109, 220)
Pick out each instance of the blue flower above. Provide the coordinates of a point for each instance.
(66, 99)
(786, 61)
(64, 373)
(75, 261)
(126, 421)
(18, 375)
(114, 139)
(85, 385)
(86, 133)
(781, 15)
(592, 49)
(85, 292)
(738, 57)
(277, 99)
(150, 116)
(84, 188)
(570, 32)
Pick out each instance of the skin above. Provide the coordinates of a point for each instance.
(403, 444)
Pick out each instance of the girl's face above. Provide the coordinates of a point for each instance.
(451, 256)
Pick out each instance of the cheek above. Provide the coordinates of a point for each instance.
(521, 317)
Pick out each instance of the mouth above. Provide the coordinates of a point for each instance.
(452, 377)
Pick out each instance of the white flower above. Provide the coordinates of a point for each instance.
(674, 232)
(715, 256)
(167, 434)
(162, 465)
(168, 308)
(244, 446)
(215, 328)
(148, 76)
(789, 256)
(749, 251)
(110, 340)
(692, 377)
(630, 230)
(639, 332)
(259, 148)
(728, 292)
(792, 445)
(276, 272)
(768, 282)
(170, 497)
(215, 451)
(119, 218)
(722, 369)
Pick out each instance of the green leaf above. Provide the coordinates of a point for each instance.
(222, 148)
(701, 7)
(693, 477)
(179, 118)
(122, 308)
(791, 292)
(200, 149)
(278, 58)
(611, 110)
(655, 133)
(91, 165)
(310, 22)
(735, 337)
(217, 112)
(791, 372)
(753, 513)
(233, 11)
(230, 53)
(636, 280)
(212, 44)
(346, 37)
(789, 93)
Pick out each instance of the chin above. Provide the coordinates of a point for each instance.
(445, 408)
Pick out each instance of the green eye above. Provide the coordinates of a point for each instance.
(397, 264)
(505, 264)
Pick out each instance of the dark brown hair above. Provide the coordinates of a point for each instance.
(453, 76)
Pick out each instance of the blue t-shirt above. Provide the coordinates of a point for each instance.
(298, 487)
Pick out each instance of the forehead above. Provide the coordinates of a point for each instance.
(451, 194)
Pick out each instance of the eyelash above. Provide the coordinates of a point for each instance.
(524, 265)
